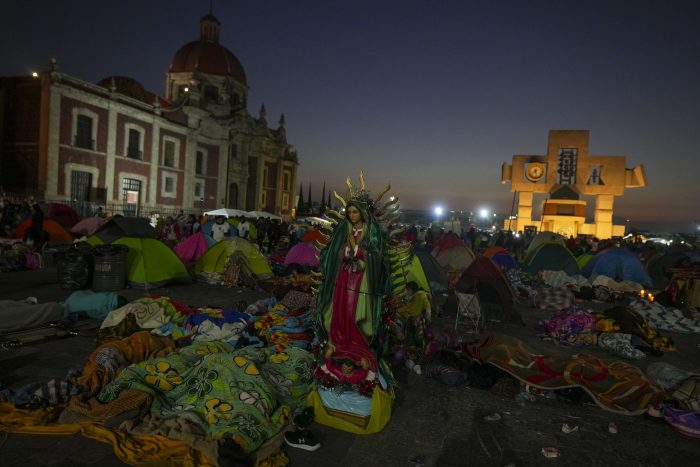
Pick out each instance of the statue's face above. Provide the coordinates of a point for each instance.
(347, 369)
(354, 215)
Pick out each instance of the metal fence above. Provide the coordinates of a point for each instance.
(90, 208)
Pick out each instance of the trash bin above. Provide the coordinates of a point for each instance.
(74, 267)
(109, 273)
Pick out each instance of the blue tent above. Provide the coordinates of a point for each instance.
(619, 264)
(504, 260)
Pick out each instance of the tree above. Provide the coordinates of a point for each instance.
(309, 205)
(322, 206)
(300, 204)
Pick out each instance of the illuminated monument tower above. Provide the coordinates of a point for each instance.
(566, 173)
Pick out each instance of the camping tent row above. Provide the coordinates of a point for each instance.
(615, 262)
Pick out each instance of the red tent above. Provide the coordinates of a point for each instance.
(446, 242)
(313, 235)
(492, 286)
(53, 228)
(61, 213)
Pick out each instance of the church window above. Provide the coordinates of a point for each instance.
(199, 189)
(200, 163)
(134, 142)
(168, 184)
(83, 134)
(168, 153)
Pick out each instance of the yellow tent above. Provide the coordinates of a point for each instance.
(214, 260)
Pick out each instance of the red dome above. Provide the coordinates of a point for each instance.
(208, 57)
(127, 86)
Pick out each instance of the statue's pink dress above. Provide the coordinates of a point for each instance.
(344, 333)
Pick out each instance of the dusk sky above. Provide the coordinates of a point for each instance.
(432, 96)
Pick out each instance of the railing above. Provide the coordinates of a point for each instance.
(90, 208)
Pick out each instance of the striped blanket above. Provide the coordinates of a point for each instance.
(665, 318)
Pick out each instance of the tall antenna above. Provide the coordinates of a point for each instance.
(211, 7)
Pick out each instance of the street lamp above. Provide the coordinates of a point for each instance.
(484, 215)
(438, 212)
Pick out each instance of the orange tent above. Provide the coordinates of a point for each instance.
(53, 228)
(313, 235)
(494, 250)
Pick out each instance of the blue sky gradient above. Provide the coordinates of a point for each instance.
(430, 96)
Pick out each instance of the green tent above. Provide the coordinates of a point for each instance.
(413, 271)
(583, 259)
(551, 256)
(94, 240)
(150, 263)
(214, 260)
(543, 237)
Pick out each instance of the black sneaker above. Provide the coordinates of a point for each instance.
(302, 439)
(304, 419)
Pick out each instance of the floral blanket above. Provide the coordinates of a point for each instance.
(245, 394)
(614, 385)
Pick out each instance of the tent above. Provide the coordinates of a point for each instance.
(446, 242)
(193, 247)
(619, 264)
(150, 263)
(551, 256)
(61, 213)
(227, 212)
(457, 258)
(303, 253)
(88, 226)
(415, 273)
(94, 240)
(412, 272)
(214, 260)
(544, 237)
(501, 257)
(583, 259)
(437, 279)
(259, 214)
(54, 229)
(492, 288)
(658, 265)
(314, 220)
(120, 226)
(313, 235)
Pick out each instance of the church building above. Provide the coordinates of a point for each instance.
(118, 145)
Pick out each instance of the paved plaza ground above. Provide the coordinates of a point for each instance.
(432, 424)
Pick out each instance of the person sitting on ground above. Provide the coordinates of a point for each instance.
(415, 314)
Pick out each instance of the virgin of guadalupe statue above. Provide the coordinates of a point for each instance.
(350, 303)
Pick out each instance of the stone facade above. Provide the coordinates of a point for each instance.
(115, 143)
(567, 172)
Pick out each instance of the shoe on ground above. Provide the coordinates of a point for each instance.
(302, 439)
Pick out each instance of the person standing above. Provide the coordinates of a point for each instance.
(221, 229)
(170, 232)
(36, 232)
(243, 228)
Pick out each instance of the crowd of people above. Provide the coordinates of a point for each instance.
(265, 232)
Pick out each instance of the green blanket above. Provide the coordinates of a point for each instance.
(614, 385)
(245, 394)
